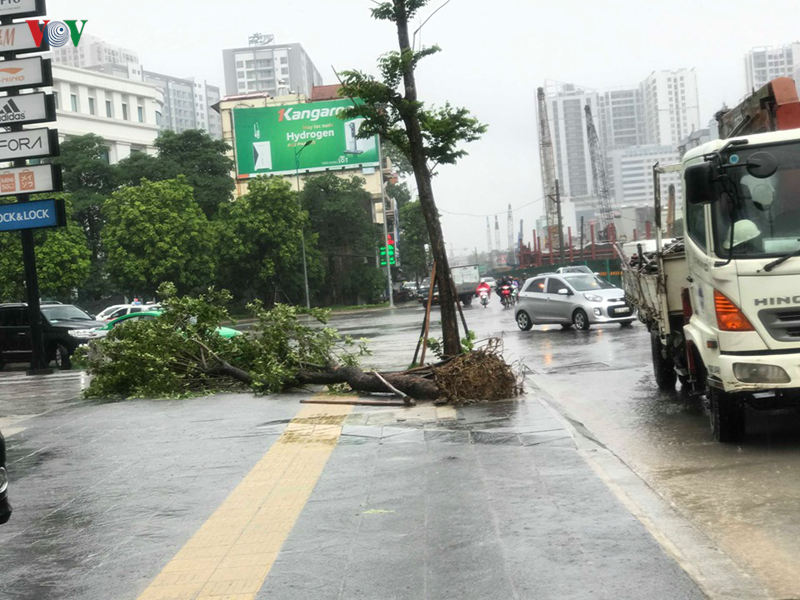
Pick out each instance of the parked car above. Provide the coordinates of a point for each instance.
(574, 269)
(5, 506)
(577, 299)
(65, 327)
(104, 330)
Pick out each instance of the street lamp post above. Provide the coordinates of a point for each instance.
(302, 234)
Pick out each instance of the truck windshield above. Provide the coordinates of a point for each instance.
(766, 214)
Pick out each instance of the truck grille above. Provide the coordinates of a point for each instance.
(782, 324)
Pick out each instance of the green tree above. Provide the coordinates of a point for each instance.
(156, 232)
(413, 238)
(204, 162)
(62, 260)
(90, 180)
(340, 214)
(427, 136)
(260, 249)
(139, 165)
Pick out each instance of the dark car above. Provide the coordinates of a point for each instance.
(65, 327)
(5, 506)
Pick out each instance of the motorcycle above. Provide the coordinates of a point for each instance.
(506, 296)
(484, 296)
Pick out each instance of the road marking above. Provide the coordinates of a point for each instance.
(233, 551)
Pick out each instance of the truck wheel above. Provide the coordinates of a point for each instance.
(663, 368)
(727, 417)
(466, 300)
(63, 360)
(580, 320)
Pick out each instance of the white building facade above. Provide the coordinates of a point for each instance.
(125, 113)
(92, 52)
(765, 63)
(632, 174)
(670, 106)
(277, 69)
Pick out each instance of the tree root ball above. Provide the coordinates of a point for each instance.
(480, 375)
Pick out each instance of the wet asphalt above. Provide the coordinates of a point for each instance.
(106, 493)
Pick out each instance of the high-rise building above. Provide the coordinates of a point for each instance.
(620, 122)
(187, 102)
(765, 63)
(670, 106)
(566, 104)
(632, 173)
(278, 69)
(92, 52)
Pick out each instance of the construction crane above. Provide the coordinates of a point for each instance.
(497, 233)
(510, 225)
(599, 176)
(548, 172)
(488, 235)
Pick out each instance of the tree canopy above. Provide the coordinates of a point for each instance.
(156, 232)
(260, 253)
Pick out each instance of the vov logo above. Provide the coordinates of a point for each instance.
(58, 32)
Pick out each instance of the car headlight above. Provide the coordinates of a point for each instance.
(757, 373)
(3, 479)
(593, 297)
(82, 333)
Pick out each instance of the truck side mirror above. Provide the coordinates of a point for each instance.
(761, 165)
(699, 180)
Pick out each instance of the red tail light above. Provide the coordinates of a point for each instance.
(729, 317)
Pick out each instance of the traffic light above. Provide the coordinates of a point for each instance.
(390, 246)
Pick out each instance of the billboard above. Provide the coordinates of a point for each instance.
(268, 139)
(32, 215)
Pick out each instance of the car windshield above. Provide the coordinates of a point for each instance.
(587, 283)
(64, 312)
(766, 212)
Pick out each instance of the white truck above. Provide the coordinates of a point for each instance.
(722, 304)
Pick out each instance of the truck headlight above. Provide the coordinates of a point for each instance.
(3, 479)
(757, 373)
(593, 297)
(83, 334)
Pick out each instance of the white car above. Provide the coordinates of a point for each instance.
(118, 310)
(490, 280)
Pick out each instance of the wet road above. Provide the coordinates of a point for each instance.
(111, 497)
(745, 498)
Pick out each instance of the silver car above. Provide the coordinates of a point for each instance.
(571, 299)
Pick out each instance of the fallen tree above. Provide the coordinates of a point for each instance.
(181, 353)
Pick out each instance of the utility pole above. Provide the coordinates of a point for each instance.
(671, 210)
(581, 238)
(302, 233)
(560, 224)
(386, 230)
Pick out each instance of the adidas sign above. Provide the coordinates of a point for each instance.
(11, 112)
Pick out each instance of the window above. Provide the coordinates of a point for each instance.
(140, 111)
(92, 110)
(284, 60)
(73, 99)
(696, 223)
(536, 286)
(109, 111)
(553, 285)
(55, 99)
(14, 317)
(124, 111)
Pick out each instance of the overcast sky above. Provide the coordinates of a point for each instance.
(495, 55)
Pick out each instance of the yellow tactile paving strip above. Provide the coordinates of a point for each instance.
(231, 554)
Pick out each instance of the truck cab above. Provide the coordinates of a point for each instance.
(742, 245)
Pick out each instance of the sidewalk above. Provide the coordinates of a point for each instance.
(483, 502)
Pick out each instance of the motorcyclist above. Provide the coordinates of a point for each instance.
(506, 280)
(483, 286)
